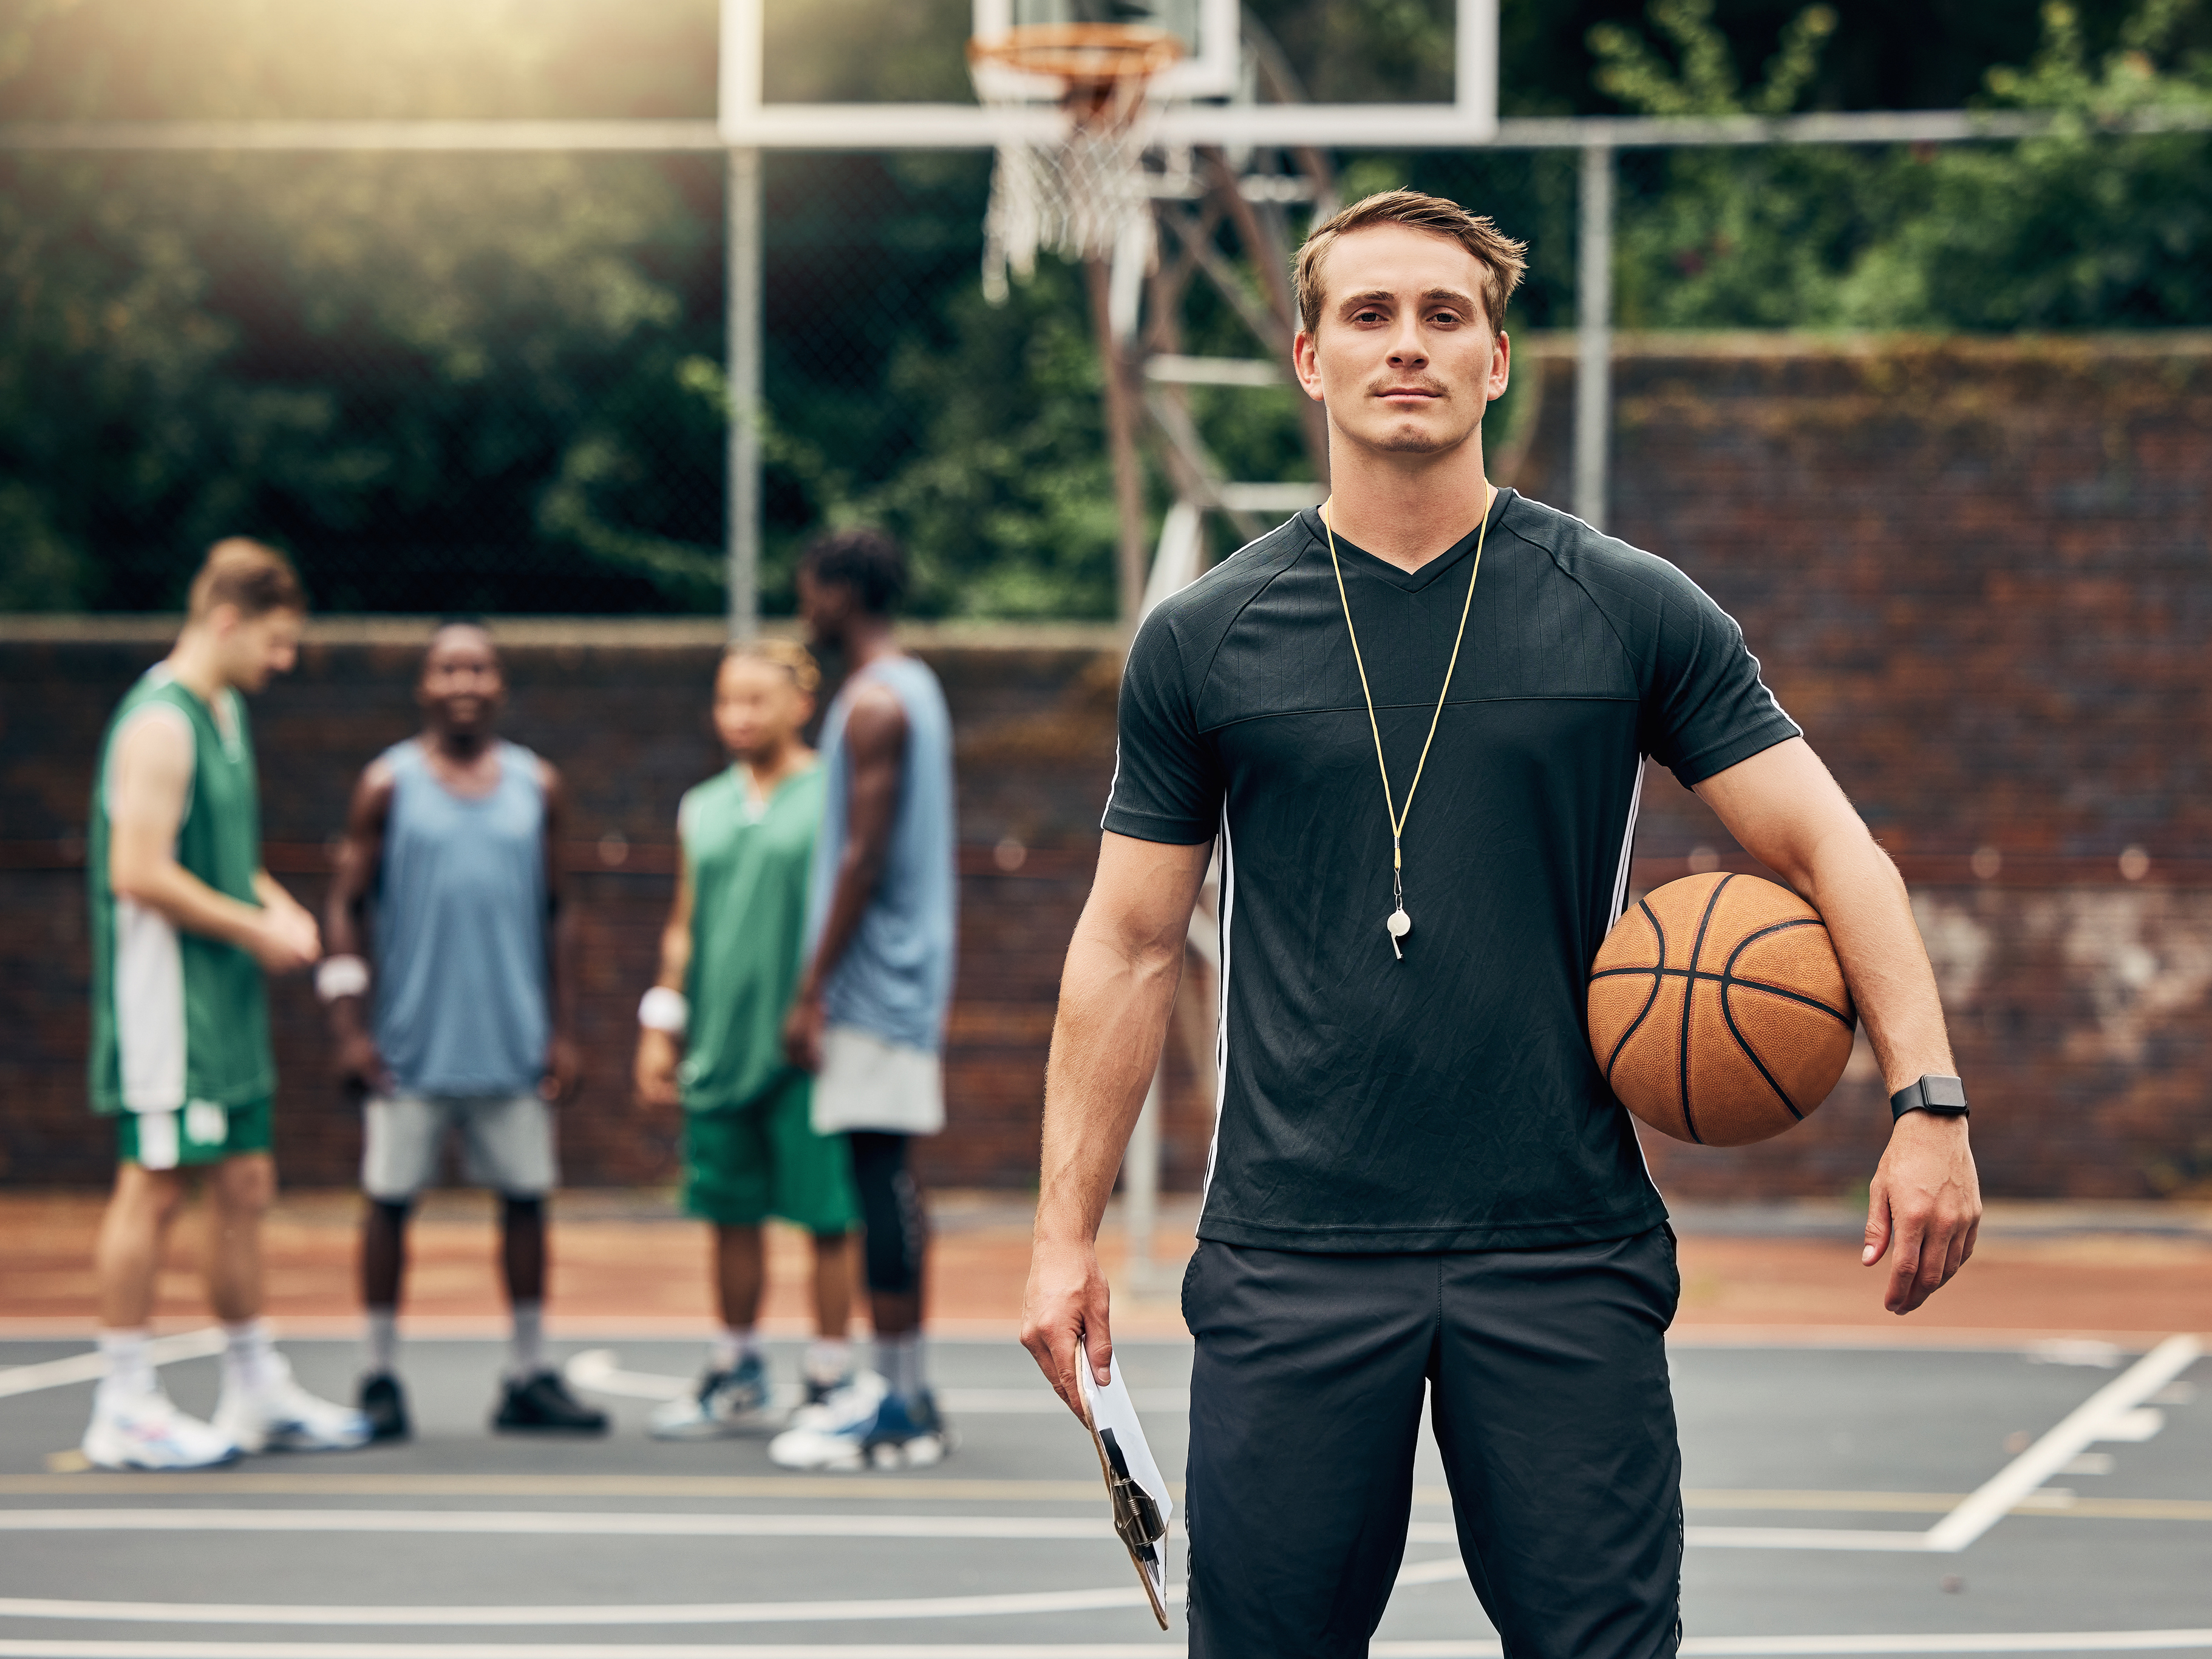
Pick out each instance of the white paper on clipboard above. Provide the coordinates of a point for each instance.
(1119, 1439)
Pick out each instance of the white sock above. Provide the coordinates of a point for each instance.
(899, 1359)
(526, 1344)
(128, 1370)
(383, 1344)
(730, 1347)
(247, 1354)
(829, 1359)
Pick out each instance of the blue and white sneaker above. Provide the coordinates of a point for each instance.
(132, 1430)
(865, 1426)
(725, 1402)
(277, 1415)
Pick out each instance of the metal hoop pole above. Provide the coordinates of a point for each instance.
(743, 370)
(1594, 336)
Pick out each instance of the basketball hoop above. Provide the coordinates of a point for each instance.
(1083, 194)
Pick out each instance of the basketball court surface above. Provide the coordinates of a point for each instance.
(1985, 1492)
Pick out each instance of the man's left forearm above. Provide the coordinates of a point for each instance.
(1926, 1197)
(1852, 882)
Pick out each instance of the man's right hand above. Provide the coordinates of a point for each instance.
(283, 940)
(359, 1065)
(1064, 1320)
(657, 1060)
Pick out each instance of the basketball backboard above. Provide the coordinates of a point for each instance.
(1203, 90)
(1208, 31)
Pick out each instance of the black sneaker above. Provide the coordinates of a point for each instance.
(384, 1402)
(543, 1402)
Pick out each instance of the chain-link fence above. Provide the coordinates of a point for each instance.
(496, 382)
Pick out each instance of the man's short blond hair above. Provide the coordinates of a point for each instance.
(249, 574)
(791, 657)
(1502, 258)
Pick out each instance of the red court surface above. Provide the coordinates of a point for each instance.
(623, 1262)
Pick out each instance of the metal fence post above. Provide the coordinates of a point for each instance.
(743, 255)
(1593, 335)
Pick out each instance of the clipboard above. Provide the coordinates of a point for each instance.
(1134, 1485)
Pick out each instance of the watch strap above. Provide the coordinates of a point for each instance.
(1946, 1097)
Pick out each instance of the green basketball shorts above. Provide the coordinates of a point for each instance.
(202, 1133)
(764, 1158)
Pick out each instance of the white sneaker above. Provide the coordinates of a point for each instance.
(735, 1402)
(864, 1427)
(280, 1416)
(147, 1432)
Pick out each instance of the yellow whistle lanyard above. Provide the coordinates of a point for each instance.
(1399, 815)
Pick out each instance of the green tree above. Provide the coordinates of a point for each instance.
(2086, 226)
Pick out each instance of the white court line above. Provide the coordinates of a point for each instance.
(2043, 1641)
(600, 1614)
(708, 1612)
(661, 1524)
(560, 1523)
(2095, 1419)
(91, 1367)
(599, 1371)
(1830, 1538)
(1706, 1647)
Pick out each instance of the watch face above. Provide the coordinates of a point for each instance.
(1943, 1094)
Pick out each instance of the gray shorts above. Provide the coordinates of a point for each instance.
(506, 1143)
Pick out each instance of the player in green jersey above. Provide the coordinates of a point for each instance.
(185, 922)
(711, 1034)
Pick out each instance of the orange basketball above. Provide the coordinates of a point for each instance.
(1718, 1011)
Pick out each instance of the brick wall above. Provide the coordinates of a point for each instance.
(1980, 575)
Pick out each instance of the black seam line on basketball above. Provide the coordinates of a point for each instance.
(1727, 1010)
(1849, 1022)
(1689, 990)
(1642, 1013)
(1744, 1042)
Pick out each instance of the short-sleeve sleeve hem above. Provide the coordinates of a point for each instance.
(1693, 769)
(1168, 831)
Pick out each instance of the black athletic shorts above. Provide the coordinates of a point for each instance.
(1548, 1384)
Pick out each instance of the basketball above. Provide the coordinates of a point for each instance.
(1717, 1010)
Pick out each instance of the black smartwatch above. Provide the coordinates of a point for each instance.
(1944, 1096)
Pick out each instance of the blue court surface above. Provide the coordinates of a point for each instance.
(2052, 1498)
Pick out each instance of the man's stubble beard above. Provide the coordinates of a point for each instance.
(1404, 440)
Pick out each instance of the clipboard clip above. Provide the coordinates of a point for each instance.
(1136, 1516)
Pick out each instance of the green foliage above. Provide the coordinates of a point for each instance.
(2085, 226)
(496, 382)
(378, 361)
(1005, 505)
(2079, 227)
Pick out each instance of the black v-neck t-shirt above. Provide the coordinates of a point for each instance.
(1448, 1101)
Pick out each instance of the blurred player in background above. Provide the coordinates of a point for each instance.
(710, 1036)
(869, 1020)
(451, 851)
(186, 922)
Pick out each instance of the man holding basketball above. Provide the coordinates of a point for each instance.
(1416, 720)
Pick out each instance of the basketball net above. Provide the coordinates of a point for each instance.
(1082, 194)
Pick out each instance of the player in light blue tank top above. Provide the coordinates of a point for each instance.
(461, 990)
(894, 978)
(461, 1029)
(869, 1020)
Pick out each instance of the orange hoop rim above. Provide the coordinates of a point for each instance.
(1081, 57)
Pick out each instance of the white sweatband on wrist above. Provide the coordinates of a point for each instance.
(663, 1009)
(341, 976)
